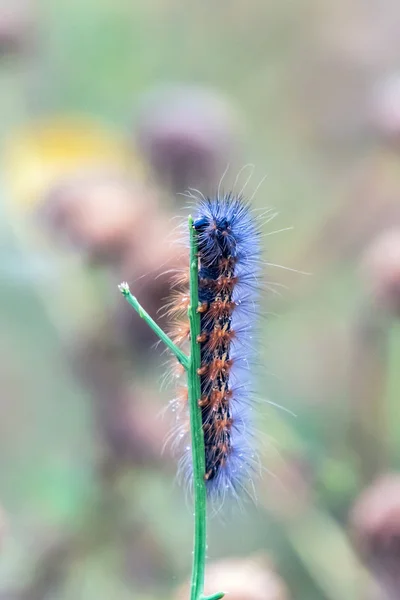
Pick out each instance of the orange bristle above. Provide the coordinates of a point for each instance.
(219, 367)
(223, 449)
(203, 307)
(221, 309)
(181, 333)
(177, 369)
(180, 279)
(225, 284)
(227, 264)
(203, 370)
(219, 397)
(223, 424)
(204, 400)
(219, 338)
(183, 395)
(202, 338)
(178, 305)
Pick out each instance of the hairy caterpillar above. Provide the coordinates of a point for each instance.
(228, 289)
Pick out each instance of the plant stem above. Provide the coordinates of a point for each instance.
(196, 430)
(181, 356)
(192, 365)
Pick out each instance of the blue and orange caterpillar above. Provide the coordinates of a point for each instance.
(229, 272)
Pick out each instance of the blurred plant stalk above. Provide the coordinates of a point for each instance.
(367, 434)
(379, 310)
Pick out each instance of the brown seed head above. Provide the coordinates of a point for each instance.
(375, 530)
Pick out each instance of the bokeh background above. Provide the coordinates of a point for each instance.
(109, 109)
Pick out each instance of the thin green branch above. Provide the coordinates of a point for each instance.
(181, 356)
(216, 596)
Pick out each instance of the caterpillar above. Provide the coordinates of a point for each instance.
(228, 237)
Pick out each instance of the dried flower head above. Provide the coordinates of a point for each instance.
(188, 135)
(375, 528)
(385, 108)
(381, 271)
(98, 214)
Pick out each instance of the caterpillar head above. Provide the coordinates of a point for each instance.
(215, 238)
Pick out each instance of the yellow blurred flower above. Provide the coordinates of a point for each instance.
(44, 153)
(36, 160)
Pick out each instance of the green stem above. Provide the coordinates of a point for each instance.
(181, 356)
(196, 429)
(192, 364)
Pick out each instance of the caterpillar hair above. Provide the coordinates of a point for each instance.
(228, 238)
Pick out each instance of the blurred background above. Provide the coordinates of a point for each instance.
(109, 110)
